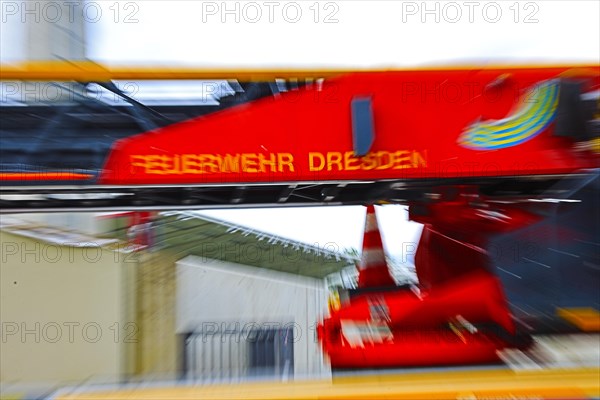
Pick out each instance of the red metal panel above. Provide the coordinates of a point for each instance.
(422, 125)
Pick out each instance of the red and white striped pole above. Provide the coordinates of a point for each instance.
(373, 270)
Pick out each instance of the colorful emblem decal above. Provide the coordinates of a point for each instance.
(535, 111)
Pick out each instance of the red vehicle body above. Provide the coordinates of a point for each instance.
(396, 126)
(457, 315)
(426, 129)
(424, 124)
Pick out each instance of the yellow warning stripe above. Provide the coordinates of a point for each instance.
(586, 319)
(546, 384)
(90, 71)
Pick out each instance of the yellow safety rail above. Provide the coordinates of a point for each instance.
(580, 383)
(88, 71)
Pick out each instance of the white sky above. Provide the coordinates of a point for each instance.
(330, 227)
(367, 33)
(357, 34)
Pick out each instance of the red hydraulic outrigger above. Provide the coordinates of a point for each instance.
(456, 315)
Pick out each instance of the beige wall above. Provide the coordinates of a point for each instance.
(158, 346)
(109, 289)
(94, 224)
(77, 304)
